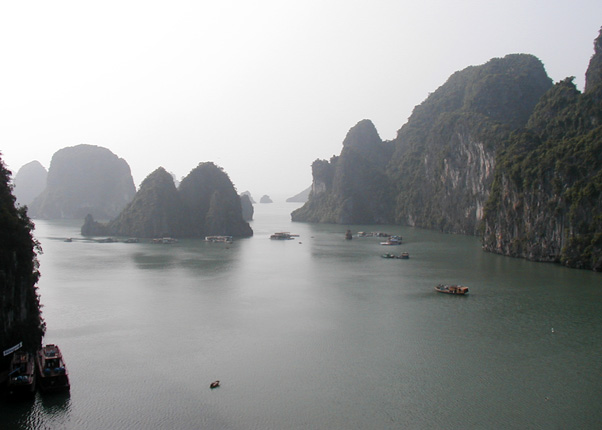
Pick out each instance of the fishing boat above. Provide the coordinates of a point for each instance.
(219, 239)
(393, 240)
(22, 375)
(452, 289)
(283, 235)
(52, 372)
(404, 256)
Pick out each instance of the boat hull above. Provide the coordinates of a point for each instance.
(457, 290)
(53, 375)
(21, 383)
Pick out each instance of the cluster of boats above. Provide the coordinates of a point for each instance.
(45, 370)
(283, 235)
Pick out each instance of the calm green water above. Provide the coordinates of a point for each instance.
(314, 333)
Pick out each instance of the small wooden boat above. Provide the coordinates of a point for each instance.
(22, 376)
(52, 372)
(404, 256)
(452, 289)
(214, 384)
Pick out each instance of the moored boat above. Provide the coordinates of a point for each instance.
(283, 235)
(52, 372)
(392, 240)
(219, 239)
(452, 289)
(21, 376)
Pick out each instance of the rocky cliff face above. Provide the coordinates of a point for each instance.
(205, 204)
(445, 155)
(546, 200)
(85, 179)
(593, 76)
(20, 315)
(156, 210)
(438, 171)
(29, 182)
(352, 188)
(247, 207)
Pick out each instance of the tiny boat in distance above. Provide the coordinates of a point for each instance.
(452, 289)
(219, 239)
(392, 240)
(22, 376)
(52, 372)
(283, 235)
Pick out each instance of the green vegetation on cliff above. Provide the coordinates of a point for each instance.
(445, 154)
(20, 314)
(438, 171)
(546, 200)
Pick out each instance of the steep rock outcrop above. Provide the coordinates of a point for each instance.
(155, 211)
(593, 76)
(29, 182)
(353, 187)
(247, 207)
(546, 200)
(205, 204)
(20, 314)
(85, 179)
(212, 204)
(445, 154)
(265, 199)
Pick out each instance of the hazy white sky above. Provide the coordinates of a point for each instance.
(261, 88)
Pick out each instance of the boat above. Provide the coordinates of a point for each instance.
(404, 256)
(393, 240)
(214, 384)
(389, 256)
(219, 239)
(164, 240)
(283, 235)
(348, 235)
(22, 376)
(452, 289)
(52, 372)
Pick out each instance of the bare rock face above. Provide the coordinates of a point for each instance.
(438, 171)
(29, 182)
(84, 179)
